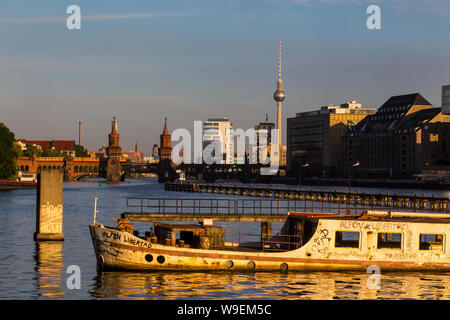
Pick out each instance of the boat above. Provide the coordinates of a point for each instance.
(391, 241)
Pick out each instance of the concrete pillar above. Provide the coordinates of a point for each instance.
(49, 205)
(266, 230)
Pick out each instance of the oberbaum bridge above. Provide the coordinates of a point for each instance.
(113, 167)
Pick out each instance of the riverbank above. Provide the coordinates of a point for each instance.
(11, 185)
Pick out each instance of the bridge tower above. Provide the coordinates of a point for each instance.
(114, 152)
(166, 172)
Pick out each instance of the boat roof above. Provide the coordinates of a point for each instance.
(382, 216)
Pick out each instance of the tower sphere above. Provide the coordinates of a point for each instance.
(279, 95)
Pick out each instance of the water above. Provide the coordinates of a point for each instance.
(38, 271)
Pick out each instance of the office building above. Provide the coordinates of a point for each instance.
(406, 136)
(314, 138)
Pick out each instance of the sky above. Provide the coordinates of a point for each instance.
(187, 60)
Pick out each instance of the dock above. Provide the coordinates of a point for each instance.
(351, 199)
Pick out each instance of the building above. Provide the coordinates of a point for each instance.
(406, 136)
(446, 99)
(150, 159)
(65, 146)
(215, 130)
(314, 138)
(155, 149)
(134, 156)
(263, 132)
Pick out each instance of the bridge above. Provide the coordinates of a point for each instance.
(76, 168)
(210, 173)
(140, 167)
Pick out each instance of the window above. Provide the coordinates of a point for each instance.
(346, 239)
(389, 241)
(431, 242)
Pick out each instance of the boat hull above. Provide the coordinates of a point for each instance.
(119, 250)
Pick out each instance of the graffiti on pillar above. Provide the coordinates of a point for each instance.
(51, 218)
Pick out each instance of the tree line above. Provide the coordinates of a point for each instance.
(10, 151)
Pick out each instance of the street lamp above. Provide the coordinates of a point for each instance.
(300, 172)
(350, 175)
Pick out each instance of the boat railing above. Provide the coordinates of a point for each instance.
(280, 242)
(220, 207)
(232, 236)
(251, 207)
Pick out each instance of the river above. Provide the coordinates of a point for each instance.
(39, 271)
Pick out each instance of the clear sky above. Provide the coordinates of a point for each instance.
(189, 60)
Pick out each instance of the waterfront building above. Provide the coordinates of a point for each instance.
(150, 159)
(215, 129)
(446, 99)
(155, 149)
(134, 156)
(314, 138)
(263, 133)
(65, 146)
(406, 136)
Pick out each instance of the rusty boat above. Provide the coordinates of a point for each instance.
(316, 242)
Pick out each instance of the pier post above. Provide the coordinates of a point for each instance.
(266, 230)
(49, 205)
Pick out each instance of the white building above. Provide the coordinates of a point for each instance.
(215, 129)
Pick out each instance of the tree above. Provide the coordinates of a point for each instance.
(80, 151)
(9, 152)
(32, 149)
(53, 153)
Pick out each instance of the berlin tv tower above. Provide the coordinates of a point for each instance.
(279, 96)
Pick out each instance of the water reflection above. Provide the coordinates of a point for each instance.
(49, 268)
(33, 270)
(311, 285)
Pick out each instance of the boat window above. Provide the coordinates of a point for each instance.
(389, 241)
(431, 241)
(346, 239)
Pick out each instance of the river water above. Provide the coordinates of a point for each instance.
(39, 271)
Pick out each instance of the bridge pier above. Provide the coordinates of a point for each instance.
(49, 205)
